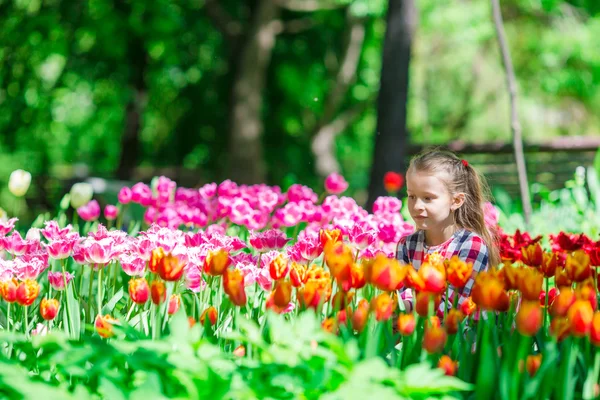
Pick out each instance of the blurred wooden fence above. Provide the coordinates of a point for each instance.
(551, 163)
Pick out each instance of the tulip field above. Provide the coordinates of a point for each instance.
(249, 292)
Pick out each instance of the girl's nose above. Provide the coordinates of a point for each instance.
(418, 205)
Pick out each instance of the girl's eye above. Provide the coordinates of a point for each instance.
(411, 197)
(427, 198)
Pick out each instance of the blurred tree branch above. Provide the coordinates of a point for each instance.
(222, 20)
(309, 5)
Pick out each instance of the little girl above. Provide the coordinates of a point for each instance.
(446, 200)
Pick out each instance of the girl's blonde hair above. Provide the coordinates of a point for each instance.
(461, 177)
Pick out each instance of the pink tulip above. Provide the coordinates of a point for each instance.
(491, 215)
(133, 265)
(56, 280)
(52, 231)
(386, 204)
(208, 191)
(362, 235)
(60, 249)
(7, 226)
(228, 188)
(111, 212)
(272, 239)
(100, 252)
(141, 194)
(298, 192)
(335, 183)
(193, 279)
(29, 268)
(90, 211)
(125, 195)
(310, 247)
(15, 244)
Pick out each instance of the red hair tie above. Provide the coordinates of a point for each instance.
(464, 162)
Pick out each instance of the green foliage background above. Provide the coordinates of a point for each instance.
(66, 72)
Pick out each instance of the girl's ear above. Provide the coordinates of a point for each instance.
(457, 201)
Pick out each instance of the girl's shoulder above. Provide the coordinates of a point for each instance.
(471, 240)
(411, 239)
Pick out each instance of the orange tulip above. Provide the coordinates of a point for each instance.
(384, 273)
(406, 324)
(8, 290)
(104, 325)
(212, 315)
(595, 330)
(458, 271)
(532, 255)
(49, 308)
(488, 292)
(578, 266)
(529, 318)
(170, 268)
(561, 278)
(239, 351)
(562, 302)
(357, 276)
(298, 274)
(467, 306)
(383, 305)
(423, 301)
(447, 365)
(560, 328)
(330, 236)
(329, 325)
(174, 304)
(158, 292)
(314, 293)
(139, 291)
(509, 275)
(155, 258)
(316, 272)
(216, 262)
(233, 285)
(339, 259)
(533, 363)
(434, 337)
(279, 267)
(27, 292)
(434, 277)
(530, 283)
(341, 299)
(282, 293)
(580, 316)
(549, 264)
(360, 315)
(453, 319)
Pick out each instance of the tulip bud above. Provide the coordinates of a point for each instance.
(282, 293)
(383, 305)
(104, 325)
(216, 262)
(170, 268)
(111, 212)
(233, 285)
(49, 308)
(458, 271)
(392, 182)
(81, 193)
(174, 304)
(8, 289)
(360, 315)
(562, 302)
(212, 315)
(158, 292)
(240, 351)
(434, 337)
(423, 301)
(467, 307)
(533, 362)
(27, 292)
(595, 330)
(279, 267)
(580, 316)
(529, 318)
(19, 182)
(139, 290)
(447, 365)
(155, 258)
(453, 319)
(406, 324)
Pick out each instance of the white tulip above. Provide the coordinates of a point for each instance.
(19, 182)
(81, 193)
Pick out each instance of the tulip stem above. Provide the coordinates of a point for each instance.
(546, 305)
(99, 299)
(8, 317)
(67, 324)
(89, 302)
(26, 326)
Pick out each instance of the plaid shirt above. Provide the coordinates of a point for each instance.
(467, 245)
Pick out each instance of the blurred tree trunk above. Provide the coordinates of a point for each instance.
(391, 135)
(130, 141)
(246, 162)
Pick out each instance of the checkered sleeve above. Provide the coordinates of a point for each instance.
(473, 251)
(403, 256)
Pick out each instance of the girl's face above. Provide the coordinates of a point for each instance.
(429, 202)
